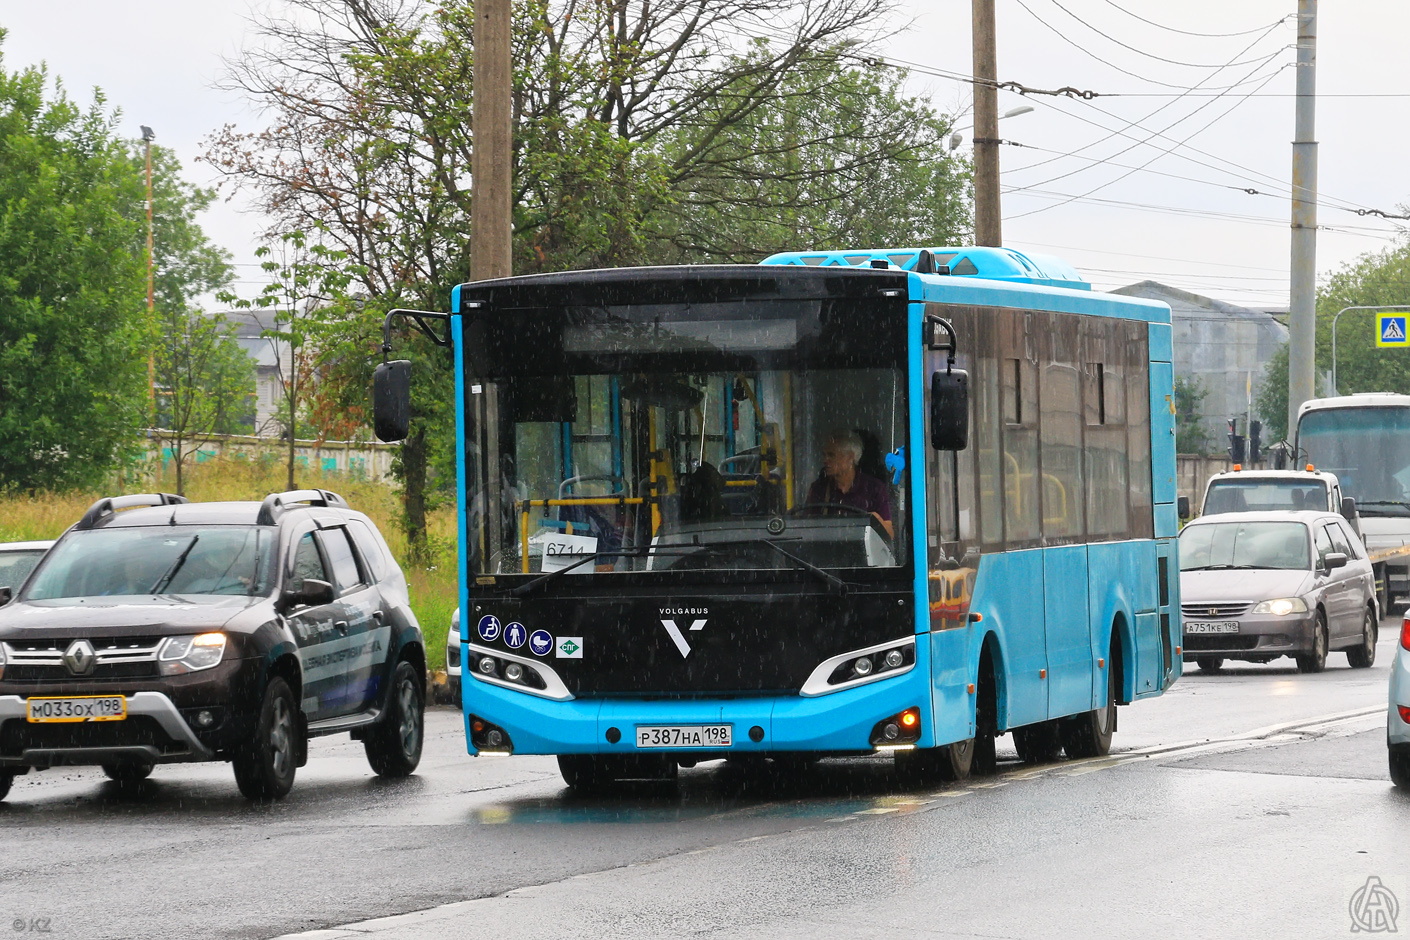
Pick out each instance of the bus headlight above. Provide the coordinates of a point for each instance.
(1280, 606)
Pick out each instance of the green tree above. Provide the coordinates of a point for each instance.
(308, 295)
(204, 383)
(1378, 279)
(1191, 437)
(1271, 401)
(73, 329)
(637, 127)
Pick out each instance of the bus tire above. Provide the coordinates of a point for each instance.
(933, 765)
(583, 772)
(985, 760)
(1089, 734)
(1038, 743)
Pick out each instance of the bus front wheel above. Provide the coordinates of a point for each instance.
(932, 765)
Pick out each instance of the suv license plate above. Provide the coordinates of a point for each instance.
(683, 735)
(1223, 626)
(84, 708)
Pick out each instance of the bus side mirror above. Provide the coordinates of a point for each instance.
(1182, 506)
(949, 410)
(391, 400)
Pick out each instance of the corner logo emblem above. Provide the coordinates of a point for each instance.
(80, 658)
(678, 637)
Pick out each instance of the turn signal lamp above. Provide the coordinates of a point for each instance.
(909, 718)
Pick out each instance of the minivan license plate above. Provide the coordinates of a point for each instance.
(85, 708)
(1223, 626)
(683, 736)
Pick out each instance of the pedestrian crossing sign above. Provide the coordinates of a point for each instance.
(1390, 330)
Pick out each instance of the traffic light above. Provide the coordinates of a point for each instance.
(1255, 442)
(1236, 442)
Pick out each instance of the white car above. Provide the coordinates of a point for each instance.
(17, 560)
(1398, 718)
(453, 656)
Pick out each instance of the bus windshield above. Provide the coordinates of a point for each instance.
(1368, 449)
(699, 440)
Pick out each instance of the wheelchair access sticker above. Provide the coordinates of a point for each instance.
(489, 628)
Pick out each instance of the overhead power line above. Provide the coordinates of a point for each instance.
(1185, 32)
(1152, 55)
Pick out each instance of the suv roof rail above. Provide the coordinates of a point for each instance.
(111, 505)
(276, 503)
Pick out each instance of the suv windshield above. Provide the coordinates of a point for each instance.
(1257, 495)
(231, 560)
(1244, 545)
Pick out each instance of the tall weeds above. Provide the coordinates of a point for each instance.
(433, 587)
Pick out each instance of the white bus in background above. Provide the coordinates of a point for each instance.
(1365, 440)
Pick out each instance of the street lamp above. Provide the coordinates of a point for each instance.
(957, 138)
(1336, 317)
(147, 137)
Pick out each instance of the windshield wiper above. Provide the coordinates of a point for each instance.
(165, 579)
(832, 580)
(1383, 502)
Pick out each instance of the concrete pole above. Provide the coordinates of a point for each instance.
(987, 215)
(491, 219)
(1302, 318)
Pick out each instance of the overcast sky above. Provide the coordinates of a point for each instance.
(1183, 219)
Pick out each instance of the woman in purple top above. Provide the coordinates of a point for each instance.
(843, 484)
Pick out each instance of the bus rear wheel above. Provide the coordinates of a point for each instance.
(1037, 743)
(1089, 734)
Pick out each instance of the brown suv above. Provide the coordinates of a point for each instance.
(158, 630)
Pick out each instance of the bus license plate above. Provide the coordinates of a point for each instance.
(1222, 626)
(683, 736)
(84, 708)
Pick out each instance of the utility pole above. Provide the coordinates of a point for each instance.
(490, 204)
(147, 137)
(1302, 310)
(987, 217)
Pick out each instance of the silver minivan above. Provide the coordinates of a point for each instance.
(1255, 586)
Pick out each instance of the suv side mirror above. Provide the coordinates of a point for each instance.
(1182, 506)
(311, 592)
(391, 400)
(1334, 560)
(949, 410)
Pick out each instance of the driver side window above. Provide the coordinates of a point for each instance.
(308, 563)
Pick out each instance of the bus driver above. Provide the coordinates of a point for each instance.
(842, 484)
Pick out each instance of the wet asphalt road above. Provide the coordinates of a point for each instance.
(1254, 802)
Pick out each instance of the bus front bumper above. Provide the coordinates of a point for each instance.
(840, 722)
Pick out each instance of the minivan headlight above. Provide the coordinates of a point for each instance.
(1280, 606)
(183, 654)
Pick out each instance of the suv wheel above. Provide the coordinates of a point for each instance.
(127, 771)
(265, 765)
(394, 745)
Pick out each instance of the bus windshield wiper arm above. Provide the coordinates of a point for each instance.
(833, 581)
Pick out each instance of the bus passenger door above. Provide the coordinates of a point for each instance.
(1069, 634)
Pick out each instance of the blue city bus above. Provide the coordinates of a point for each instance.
(839, 503)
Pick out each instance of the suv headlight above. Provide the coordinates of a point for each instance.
(1280, 606)
(183, 654)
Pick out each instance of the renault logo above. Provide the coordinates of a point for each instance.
(80, 658)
